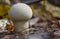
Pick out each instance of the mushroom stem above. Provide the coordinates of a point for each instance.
(21, 28)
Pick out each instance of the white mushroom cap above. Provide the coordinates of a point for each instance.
(20, 12)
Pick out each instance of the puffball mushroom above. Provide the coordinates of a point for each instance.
(20, 13)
